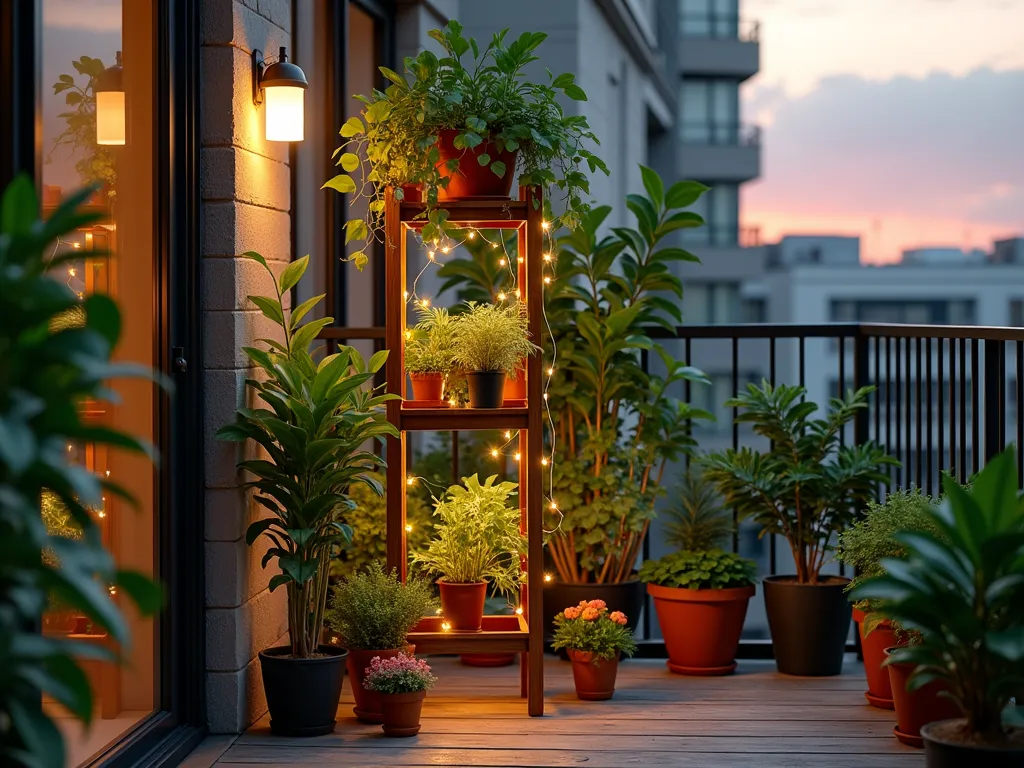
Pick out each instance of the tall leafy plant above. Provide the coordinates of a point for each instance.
(617, 427)
(313, 422)
(47, 373)
(807, 487)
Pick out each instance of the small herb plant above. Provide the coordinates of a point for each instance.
(708, 569)
(477, 536)
(431, 347)
(488, 101)
(697, 520)
(590, 628)
(493, 337)
(399, 674)
(374, 611)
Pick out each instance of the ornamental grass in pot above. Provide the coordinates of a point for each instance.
(807, 488)
(455, 128)
(315, 419)
(491, 341)
(594, 638)
(700, 592)
(477, 541)
(400, 683)
(373, 611)
(430, 353)
(963, 591)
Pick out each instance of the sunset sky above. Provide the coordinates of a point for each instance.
(898, 120)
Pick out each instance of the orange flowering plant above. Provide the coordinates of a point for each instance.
(590, 627)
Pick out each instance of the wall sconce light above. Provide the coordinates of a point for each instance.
(282, 86)
(110, 112)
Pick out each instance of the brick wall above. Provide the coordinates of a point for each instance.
(246, 199)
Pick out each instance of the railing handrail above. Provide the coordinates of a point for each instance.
(747, 30)
(727, 132)
(838, 330)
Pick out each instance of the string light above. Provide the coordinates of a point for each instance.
(546, 225)
(71, 271)
(112, 590)
(547, 280)
(502, 296)
(408, 335)
(445, 626)
(548, 577)
(430, 255)
(519, 295)
(438, 611)
(554, 507)
(519, 610)
(547, 257)
(494, 453)
(520, 260)
(425, 303)
(551, 371)
(508, 434)
(472, 235)
(501, 262)
(405, 295)
(410, 481)
(408, 528)
(446, 249)
(544, 462)
(517, 457)
(76, 245)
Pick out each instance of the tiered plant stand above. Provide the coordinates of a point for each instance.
(500, 634)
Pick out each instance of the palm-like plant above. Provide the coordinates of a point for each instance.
(807, 487)
(316, 420)
(698, 520)
(962, 589)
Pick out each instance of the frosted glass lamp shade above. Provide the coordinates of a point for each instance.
(110, 118)
(284, 107)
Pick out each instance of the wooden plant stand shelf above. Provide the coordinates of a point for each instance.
(500, 634)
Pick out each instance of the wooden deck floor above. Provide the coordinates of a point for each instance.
(474, 717)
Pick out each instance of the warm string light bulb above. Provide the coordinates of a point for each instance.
(405, 295)
(545, 225)
(501, 262)
(548, 577)
(519, 610)
(547, 280)
(551, 371)
(472, 235)
(425, 303)
(410, 481)
(547, 257)
(408, 528)
(544, 462)
(408, 335)
(71, 271)
(446, 249)
(516, 457)
(430, 255)
(502, 296)
(508, 434)
(494, 453)
(519, 295)
(445, 626)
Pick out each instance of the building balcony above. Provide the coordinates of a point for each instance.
(720, 151)
(719, 45)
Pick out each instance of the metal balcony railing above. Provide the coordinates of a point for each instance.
(717, 133)
(720, 26)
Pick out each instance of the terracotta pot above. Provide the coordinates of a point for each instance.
(915, 709)
(367, 707)
(411, 193)
(401, 712)
(487, 659)
(942, 749)
(873, 645)
(427, 386)
(472, 179)
(595, 680)
(463, 604)
(486, 389)
(515, 389)
(302, 694)
(702, 627)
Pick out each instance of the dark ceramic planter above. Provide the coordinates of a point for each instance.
(809, 624)
(302, 694)
(486, 389)
(627, 596)
(941, 752)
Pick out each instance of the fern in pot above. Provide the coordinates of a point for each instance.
(478, 542)
(430, 353)
(491, 341)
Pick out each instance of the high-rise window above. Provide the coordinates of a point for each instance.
(710, 111)
(709, 18)
(919, 312)
(720, 207)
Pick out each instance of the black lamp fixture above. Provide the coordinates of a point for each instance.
(110, 104)
(281, 86)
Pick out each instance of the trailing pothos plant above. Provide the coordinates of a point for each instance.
(488, 101)
(47, 373)
(313, 423)
(808, 486)
(616, 426)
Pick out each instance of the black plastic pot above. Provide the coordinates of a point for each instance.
(627, 596)
(809, 624)
(940, 753)
(303, 694)
(486, 389)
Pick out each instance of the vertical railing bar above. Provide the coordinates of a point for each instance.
(919, 415)
(1019, 410)
(888, 406)
(907, 411)
(975, 405)
(842, 382)
(962, 471)
(878, 390)
(735, 434)
(940, 402)
(928, 424)
(803, 370)
(772, 554)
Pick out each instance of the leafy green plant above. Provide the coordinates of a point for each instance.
(96, 162)
(698, 520)
(318, 417)
(963, 590)
(374, 611)
(590, 628)
(493, 337)
(489, 103)
(482, 277)
(432, 343)
(616, 426)
(707, 569)
(45, 376)
(477, 536)
(807, 487)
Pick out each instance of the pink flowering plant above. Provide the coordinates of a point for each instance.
(399, 674)
(591, 628)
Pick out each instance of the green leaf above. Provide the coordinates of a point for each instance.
(575, 93)
(349, 162)
(483, 158)
(293, 273)
(271, 308)
(341, 183)
(683, 194)
(355, 229)
(653, 185)
(146, 593)
(498, 168)
(352, 127)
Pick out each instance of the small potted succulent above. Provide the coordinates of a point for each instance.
(491, 341)
(430, 353)
(700, 592)
(594, 639)
(450, 128)
(477, 541)
(401, 683)
(963, 591)
(806, 487)
(373, 611)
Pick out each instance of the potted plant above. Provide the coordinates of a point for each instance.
(963, 591)
(617, 427)
(862, 547)
(491, 340)
(401, 683)
(373, 611)
(594, 639)
(430, 353)
(452, 129)
(806, 488)
(700, 592)
(319, 416)
(477, 541)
